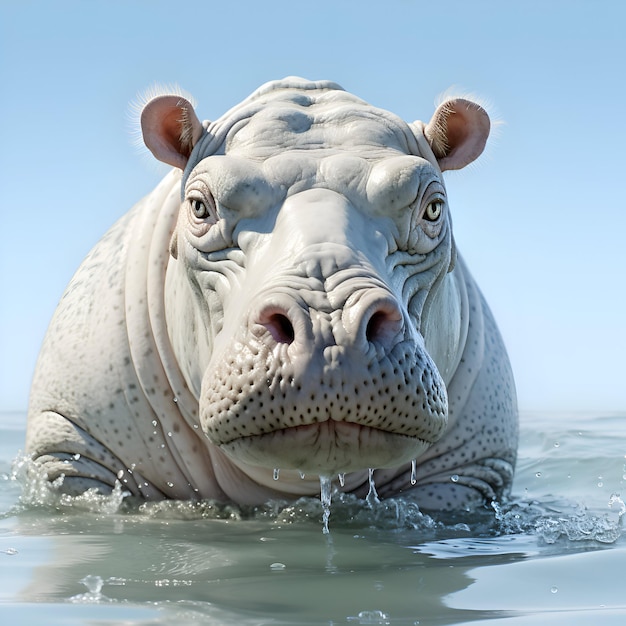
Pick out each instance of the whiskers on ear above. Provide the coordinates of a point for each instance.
(135, 108)
(496, 121)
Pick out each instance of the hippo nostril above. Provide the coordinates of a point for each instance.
(280, 327)
(383, 325)
(375, 326)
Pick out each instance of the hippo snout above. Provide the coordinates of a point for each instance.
(312, 387)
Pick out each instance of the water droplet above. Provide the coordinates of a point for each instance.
(370, 617)
(342, 479)
(556, 444)
(169, 484)
(93, 584)
(454, 478)
(120, 474)
(169, 433)
(538, 474)
(76, 457)
(615, 500)
(325, 498)
(10, 551)
(175, 399)
(195, 426)
(277, 567)
(276, 473)
(372, 496)
(154, 423)
(302, 475)
(553, 589)
(413, 471)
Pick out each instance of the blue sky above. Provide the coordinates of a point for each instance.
(541, 219)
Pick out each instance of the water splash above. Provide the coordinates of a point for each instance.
(325, 498)
(39, 492)
(94, 593)
(549, 520)
(562, 521)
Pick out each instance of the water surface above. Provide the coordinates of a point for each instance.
(554, 554)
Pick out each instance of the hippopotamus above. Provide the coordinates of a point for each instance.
(287, 304)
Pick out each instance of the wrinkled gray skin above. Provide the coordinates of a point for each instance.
(303, 308)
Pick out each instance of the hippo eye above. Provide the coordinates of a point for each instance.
(202, 207)
(433, 210)
(199, 209)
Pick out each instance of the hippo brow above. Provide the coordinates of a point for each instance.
(216, 133)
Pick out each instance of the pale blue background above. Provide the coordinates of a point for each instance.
(541, 219)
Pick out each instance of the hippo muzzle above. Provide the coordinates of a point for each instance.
(319, 366)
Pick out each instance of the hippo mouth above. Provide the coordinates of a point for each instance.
(328, 447)
(323, 415)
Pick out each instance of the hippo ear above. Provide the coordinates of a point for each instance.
(457, 133)
(170, 129)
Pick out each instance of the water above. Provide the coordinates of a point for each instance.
(555, 554)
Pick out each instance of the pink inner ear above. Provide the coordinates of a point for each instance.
(170, 129)
(458, 131)
(466, 131)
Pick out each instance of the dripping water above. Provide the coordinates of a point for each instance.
(325, 497)
(413, 471)
(372, 497)
(342, 479)
(276, 473)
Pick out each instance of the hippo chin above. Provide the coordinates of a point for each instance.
(289, 297)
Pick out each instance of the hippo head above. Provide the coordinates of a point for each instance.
(311, 301)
